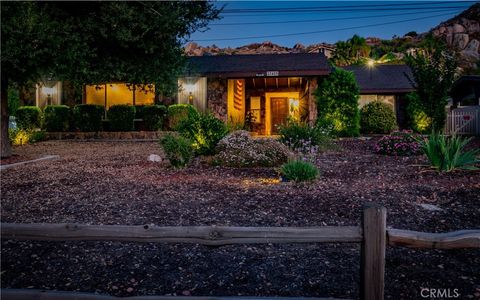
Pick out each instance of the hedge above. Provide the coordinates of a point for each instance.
(57, 117)
(154, 116)
(180, 112)
(121, 117)
(88, 117)
(28, 117)
(377, 117)
(337, 103)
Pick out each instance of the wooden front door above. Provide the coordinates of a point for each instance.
(279, 113)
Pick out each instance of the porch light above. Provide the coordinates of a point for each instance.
(190, 98)
(370, 63)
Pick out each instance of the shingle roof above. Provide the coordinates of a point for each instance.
(383, 78)
(258, 65)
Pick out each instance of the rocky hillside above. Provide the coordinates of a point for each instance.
(462, 33)
(267, 47)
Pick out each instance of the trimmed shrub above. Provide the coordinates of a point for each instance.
(88, 117)
(57, 117)
(178, 150)
(239, 149)
(139, 111)
(19, 137)
(204, 130)
(178, 113)
(28, 117)
(418, 119)
(448, 153)
(153, 116)
(121, 117)
(299, 170)
(296, 134)
(398, 144)
(337, 103)
(377, 117)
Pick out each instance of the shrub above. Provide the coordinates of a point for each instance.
(153, 116)
(377, 117)
(296, 134)
(239, 149)
(13, 96)
(447, 154)
(28, 117)
(57, 117)
(398, 144)
(177, 149)
(298, 170)
(88, 117)
(121, 117)
(337, 103)
(21, 136)
(204, 130)
(178, 113)
(139, 111)
(417, 118)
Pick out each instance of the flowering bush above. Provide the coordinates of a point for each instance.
(399, 144)
(239, 149)
(295, 134)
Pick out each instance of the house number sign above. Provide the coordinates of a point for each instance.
(268, 73)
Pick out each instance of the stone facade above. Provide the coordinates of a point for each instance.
(217, 97)
(312, 104)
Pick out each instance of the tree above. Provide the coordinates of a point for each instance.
(94, 42)
(433, 69)
(337, 103)
(354, 50)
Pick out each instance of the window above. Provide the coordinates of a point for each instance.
(119, 93)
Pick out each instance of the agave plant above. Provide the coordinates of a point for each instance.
(447, 154)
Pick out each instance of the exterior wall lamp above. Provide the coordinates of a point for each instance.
(190, 98)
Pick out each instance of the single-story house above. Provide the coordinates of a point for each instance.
(386, 83)
(264, 90)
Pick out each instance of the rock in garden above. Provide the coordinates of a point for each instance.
(154, 158)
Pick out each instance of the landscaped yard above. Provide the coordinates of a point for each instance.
(114, 183)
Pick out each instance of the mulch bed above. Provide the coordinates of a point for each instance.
(113, 183)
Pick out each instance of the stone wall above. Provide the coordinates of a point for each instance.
(312, 104)
(217, 97)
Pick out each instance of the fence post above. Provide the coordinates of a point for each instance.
(372, 266)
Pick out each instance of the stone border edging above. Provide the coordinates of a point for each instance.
(48, 157)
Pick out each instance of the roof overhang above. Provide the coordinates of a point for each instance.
(267, 74)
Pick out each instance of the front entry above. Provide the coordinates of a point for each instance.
(279, 113)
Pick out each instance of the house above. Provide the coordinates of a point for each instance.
(386, 83)
(262, 90)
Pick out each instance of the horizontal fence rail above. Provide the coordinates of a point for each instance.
(219, 235)
(205, 235)
(373, 235)
(447, 240)
(21, 294)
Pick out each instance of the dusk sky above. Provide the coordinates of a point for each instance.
(330, 21)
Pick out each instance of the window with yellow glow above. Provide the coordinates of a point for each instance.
(119, 93)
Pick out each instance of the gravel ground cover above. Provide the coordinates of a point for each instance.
(114, 183)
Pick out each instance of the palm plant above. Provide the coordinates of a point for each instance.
(447, 154)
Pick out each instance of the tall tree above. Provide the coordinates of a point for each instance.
(93, 42)
(434, 70)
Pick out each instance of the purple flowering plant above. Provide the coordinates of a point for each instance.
(399, 143)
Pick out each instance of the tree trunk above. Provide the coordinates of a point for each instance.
(5, 142)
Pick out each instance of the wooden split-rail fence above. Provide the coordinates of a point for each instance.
(373, 235)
